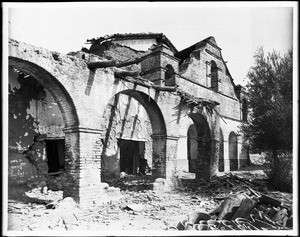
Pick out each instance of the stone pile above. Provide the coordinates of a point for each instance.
(241, 212)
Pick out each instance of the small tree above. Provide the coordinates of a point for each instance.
(270, 86)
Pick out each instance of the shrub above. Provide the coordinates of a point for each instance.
(281, 177)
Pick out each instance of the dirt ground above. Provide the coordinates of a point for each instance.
(138, 209)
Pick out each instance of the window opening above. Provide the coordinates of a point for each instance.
(169, 76)
(214, 76)
(55, 150)
(132, 157)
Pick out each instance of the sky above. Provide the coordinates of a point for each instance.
(238, 27)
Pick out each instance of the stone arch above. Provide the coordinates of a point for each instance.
(56, 89)
(204, 145)
(114, 133)
(233, 151)
(221, 152)
(214, 76)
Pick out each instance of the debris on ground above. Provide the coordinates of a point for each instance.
(246, 205)
(227, 202)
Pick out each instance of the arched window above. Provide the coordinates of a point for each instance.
(214, 76)
(169, 76)
(244, 109)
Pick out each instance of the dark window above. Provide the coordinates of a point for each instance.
(214, 76)
(169, 76)
(55, 150)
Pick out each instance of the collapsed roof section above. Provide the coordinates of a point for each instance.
(134, 38)
(120, 48)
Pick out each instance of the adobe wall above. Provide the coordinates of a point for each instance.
(93, 109)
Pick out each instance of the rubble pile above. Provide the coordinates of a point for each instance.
(246, 205)
(228, 202)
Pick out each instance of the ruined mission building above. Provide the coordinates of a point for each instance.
(80, 119)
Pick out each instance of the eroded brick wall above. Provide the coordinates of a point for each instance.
(32, 113)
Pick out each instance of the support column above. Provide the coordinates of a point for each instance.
(171, 163)
(159, 156)
(164, 159)
(215, 145)
(226, 156)
(182, 154)
(83, 165)
(215, 154)
(204, 158)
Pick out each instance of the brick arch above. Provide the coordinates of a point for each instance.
(158, 136)
(153, 110)
(56, 89)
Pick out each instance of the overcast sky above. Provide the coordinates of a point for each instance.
(239, 28)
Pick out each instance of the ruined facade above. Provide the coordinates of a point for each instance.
(77, 120)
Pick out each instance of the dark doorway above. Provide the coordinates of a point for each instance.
(55, 150)
(130, 154)
(233, 152)
(192, 148)
(203, 146)
(221, 152)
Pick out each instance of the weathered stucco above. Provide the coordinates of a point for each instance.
(149, 103)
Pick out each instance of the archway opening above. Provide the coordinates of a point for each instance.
(39, 110)
(192, 148)
(203, 146)
(132, 124)
(221, 153)
(233, 151)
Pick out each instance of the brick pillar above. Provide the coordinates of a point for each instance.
(171, 163)
(159, 156)
(83, 165)
(164, 159)
(215, 153)
(215, 145)
(226, 156)
(204, 156)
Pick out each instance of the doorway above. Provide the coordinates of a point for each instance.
(192, 148)
(130, 153)
(55, 150)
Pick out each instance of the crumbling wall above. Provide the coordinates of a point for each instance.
(32, 113)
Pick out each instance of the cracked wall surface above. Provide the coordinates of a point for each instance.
(32, 113)
(131, 95)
